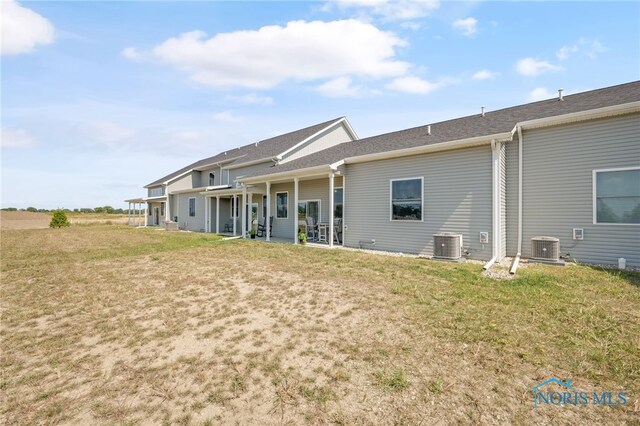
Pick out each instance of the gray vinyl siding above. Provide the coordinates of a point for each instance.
(243, 171)
(185, 182)
(503, 200)
(457, 198)
(282, 228)
(512, 197)
(557, 187)
(186, 222)
(204, 177)
(332, 137)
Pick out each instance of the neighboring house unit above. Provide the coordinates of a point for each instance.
(567, 168)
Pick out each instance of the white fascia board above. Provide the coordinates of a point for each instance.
(316, 134)
(574, 117)
(159, 197)
(168, 181)
(443, 146)
(186, 191)
(300, 173)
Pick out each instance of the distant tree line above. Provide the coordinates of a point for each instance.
(102, 209)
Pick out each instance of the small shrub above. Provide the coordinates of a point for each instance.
(59, 219)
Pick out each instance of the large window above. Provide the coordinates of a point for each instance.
(616, 197)
(406, 199)
(162, 209)
(192, 207)
(282, 205)
(234, 206)
(264, 206)
(337, 203)
(212, 179)
(309, 208)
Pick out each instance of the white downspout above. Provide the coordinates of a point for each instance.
(495, 199)
(514, 266)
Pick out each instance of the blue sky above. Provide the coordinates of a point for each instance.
(101, 98)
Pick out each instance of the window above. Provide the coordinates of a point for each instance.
(156, 192)
(254, 212)
(192, 207)
(616, 197)
(212, 179)
(337, 203)
(310, 208)
(162, 209)
(264, 206)
(406, 199)
(282, 205)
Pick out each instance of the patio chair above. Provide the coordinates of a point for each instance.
(228, 226)
(337, 230)
(312, 228)
(262, 227)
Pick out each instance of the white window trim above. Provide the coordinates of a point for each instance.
(319, 201)
(594, 197)
(194, 207)
(391, 219)
(276, 204)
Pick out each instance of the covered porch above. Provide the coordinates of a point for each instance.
(308, 202)
(137, 212)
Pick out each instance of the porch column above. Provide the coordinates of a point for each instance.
(331, 209)
(344, 204)
(268, 218)
(233, 212)
(167, 213)
(250, 212)
(207, 200)
(244, 211)
(294, 210)
(129, 214)
(217, 215)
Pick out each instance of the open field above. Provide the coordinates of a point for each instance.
(31, 220)
(108, 324)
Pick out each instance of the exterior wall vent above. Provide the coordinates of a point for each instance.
(578, 233)
(545, 249)
(447, 245)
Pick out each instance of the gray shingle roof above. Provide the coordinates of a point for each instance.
(267, 148)
(493, 122)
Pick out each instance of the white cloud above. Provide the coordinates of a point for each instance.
(468, 26)
(564, 52)
(590, 48)
(539, 94)
(485, 75)
(300, 50)
(413, 85)
(411, 25)
(23, 29)
(226, 117)
(342, 87)
(531, 67)
(251, 99)
(392, 10)
(131, 53)
(16, 138)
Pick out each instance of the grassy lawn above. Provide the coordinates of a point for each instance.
(108, 324)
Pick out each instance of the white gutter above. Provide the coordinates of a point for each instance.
(188, 190)
(495, 199)
(516, 260)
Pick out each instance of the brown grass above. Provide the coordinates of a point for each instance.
(106, 324)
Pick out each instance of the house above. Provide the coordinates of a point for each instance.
(186, 195)
(567, 167)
